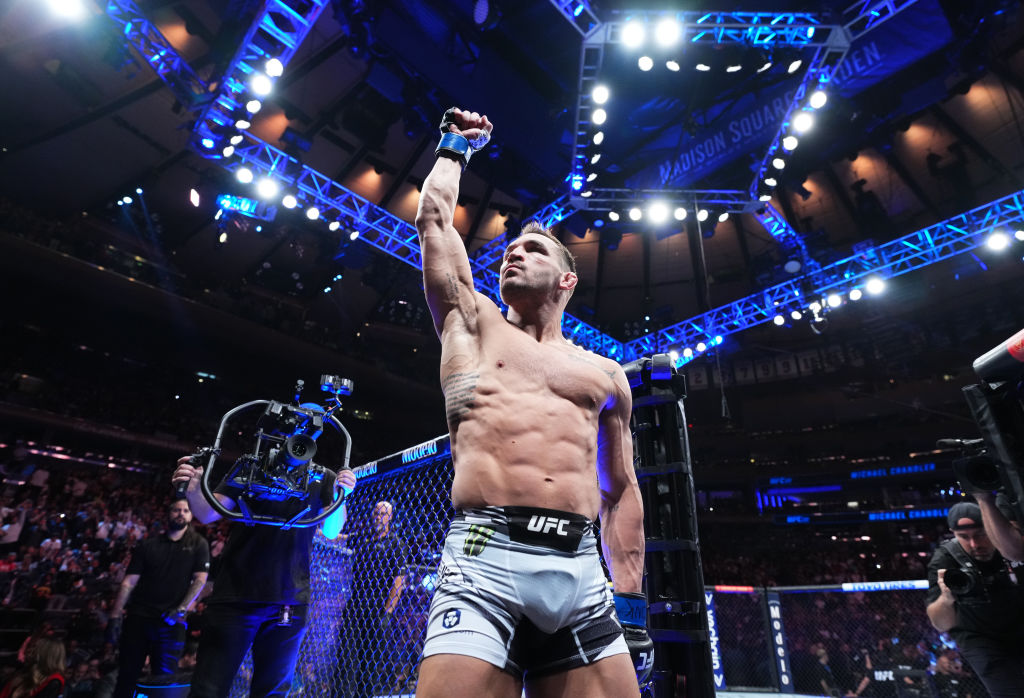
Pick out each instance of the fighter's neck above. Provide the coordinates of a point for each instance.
(544, 325)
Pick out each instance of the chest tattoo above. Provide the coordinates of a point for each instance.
(459, 390)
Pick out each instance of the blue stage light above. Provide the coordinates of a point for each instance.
(577, 182)
(207, 143)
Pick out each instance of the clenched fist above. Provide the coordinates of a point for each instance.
(472, 126)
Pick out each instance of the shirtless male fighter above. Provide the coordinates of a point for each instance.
(541, 444)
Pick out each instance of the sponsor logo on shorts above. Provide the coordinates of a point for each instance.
(451, 618)
(476, 540)
(547, 524)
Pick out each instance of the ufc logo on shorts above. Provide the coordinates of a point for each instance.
(545, 524)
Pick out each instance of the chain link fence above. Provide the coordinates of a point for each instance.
(371, 588)
(872, 639)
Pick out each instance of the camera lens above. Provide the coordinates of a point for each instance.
(959, 581)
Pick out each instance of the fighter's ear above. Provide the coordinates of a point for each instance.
(569, 281)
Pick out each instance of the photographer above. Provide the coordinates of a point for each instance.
(975, 597)
(261, 591)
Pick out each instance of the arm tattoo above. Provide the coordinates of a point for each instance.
(459, 389)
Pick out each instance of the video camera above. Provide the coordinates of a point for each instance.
(281, 466)
(995, 461)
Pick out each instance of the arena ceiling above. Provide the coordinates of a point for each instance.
(925, 125)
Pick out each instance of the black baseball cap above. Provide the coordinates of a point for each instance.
(964, 510)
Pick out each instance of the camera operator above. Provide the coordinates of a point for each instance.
(975, 597)
(261, 591)
(1001, 525)
(163, 580)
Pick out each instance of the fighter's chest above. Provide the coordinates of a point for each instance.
(544, 369)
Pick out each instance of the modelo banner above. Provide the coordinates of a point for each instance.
(754, 120)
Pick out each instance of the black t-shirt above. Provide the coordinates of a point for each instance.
(165, 568)
(992, 609)
(263, 564)
(376, 562)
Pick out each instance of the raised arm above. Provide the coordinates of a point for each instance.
(622, 509)
(447, 276)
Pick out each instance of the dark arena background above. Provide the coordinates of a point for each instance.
(796, 226)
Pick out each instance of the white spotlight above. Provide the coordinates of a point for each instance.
(794, 66)
(274, 68)
(734, 68)
(244, 175)
(334, 225)
(834, 300)
(633, 34)
(289, 201)
(703, 67)
(875, 285)
(856, 295)
(591, 177)
(1019, 235)
(667, 32)
(635, 214)
(600, 94)
(687, 352)
(818, 99)
(243, 124)
(353, 235)
(72, 9)
(790, 143)
(645, 63)
(595, 158)
(803, 122)
(193, 197)
(796, 315)
(267, 188)
(261, 85)
(587, 194)
(771, 181)
(701, 346)
(126, 200)
(765, 197)
(236, 139)
(723, 217)
(312, 213)
(998, 241)
(702, 215)
(657, 212)
(599, 116)
(765, 66)
(674, 355)
(679, 214)
(253, 106)
(228, 151)
(672, 65)
(222, 239)
(779, 320)
(778, 163)
(613, 215)
(815, 307)
(599, 138)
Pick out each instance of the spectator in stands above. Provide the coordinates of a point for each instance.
(984, 613)
(164, 579)
(43, 673)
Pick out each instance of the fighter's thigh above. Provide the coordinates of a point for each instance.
(458, 676)
(611, 677)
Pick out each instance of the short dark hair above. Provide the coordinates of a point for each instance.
(537, 229)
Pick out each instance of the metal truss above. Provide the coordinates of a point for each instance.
(555, 212)
(780, 229)
(277, 32)
(604, 199)
(188, 88)
(917, 250)
(579, 14)
(863, 16)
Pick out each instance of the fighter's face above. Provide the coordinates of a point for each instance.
(382, 516)
(531, 263)
(975, 543)
(179, 515)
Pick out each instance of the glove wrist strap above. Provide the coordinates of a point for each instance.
(456, 147)
(631, 608)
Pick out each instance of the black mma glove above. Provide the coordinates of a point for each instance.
(632, 611)
(455, 145)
